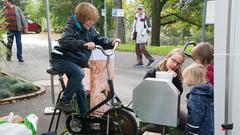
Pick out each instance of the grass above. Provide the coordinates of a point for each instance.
(155, 50)
(11, 86)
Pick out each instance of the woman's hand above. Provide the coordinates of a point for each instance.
(90, 45)
(174, 74)
(115, 41)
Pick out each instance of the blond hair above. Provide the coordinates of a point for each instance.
(203, 52)
(86, 11)
(162, 66)
(195, 74)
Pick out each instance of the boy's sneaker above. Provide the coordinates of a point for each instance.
(138, 66)
(64, 106)
(150, 63)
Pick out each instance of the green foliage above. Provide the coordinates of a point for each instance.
(22, 88)
(36, 11)
(111, 21)
(4, 93)
(182, 24)
(11, 86)
(2, 31)
(20, 3)
(60, 10)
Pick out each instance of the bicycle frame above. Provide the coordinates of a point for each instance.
(109, 79)
(116, 119)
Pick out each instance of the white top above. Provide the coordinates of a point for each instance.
(138, 26)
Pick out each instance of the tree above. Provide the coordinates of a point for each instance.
(157, 7)
(166, 12)
(120, 22)
(61, 10)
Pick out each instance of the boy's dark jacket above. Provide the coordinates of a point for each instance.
(200, 118)
(71, 45)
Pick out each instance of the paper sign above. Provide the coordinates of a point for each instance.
(117, 12)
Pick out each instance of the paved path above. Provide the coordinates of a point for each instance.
(34, 69)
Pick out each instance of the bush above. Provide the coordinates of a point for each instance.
(4, 93)
(11, 86)
(21, 88)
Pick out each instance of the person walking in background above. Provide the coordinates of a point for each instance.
(141, 28)
(200, 101)
(16, 22)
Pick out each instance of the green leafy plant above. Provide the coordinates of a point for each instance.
(2, 31)
(11, 86)
(4, 93)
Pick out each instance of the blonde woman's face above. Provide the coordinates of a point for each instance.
(174, 62)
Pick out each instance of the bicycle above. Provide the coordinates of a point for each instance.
(117, 120)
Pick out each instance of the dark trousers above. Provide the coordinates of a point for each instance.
(10, 39)
(141, 49)
(75, 76)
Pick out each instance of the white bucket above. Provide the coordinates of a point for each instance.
(164, 75)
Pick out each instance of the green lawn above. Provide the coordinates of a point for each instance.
(156, 50)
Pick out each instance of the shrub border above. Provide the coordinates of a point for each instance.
(14, 99)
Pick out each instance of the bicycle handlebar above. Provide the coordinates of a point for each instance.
(185, 48)
(106, 53)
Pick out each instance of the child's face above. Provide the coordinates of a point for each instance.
(174, 62)
(88, 24)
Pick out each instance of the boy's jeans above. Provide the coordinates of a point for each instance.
(75, 76)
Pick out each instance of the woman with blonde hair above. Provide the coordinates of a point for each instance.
(171, 63)
(200, 101)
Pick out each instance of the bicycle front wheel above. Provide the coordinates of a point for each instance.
(74, 124)
(121, 122)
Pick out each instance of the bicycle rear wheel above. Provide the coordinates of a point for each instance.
(121, 122)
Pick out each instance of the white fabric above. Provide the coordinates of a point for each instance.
(142, 35)
(9, 128)
(14, 129)
(32, 118)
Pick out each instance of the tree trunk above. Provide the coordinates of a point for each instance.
(120, 22)
(156, 23)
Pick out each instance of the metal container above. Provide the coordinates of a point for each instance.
(157, 101)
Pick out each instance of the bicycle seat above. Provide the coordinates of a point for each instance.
(53, 71)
